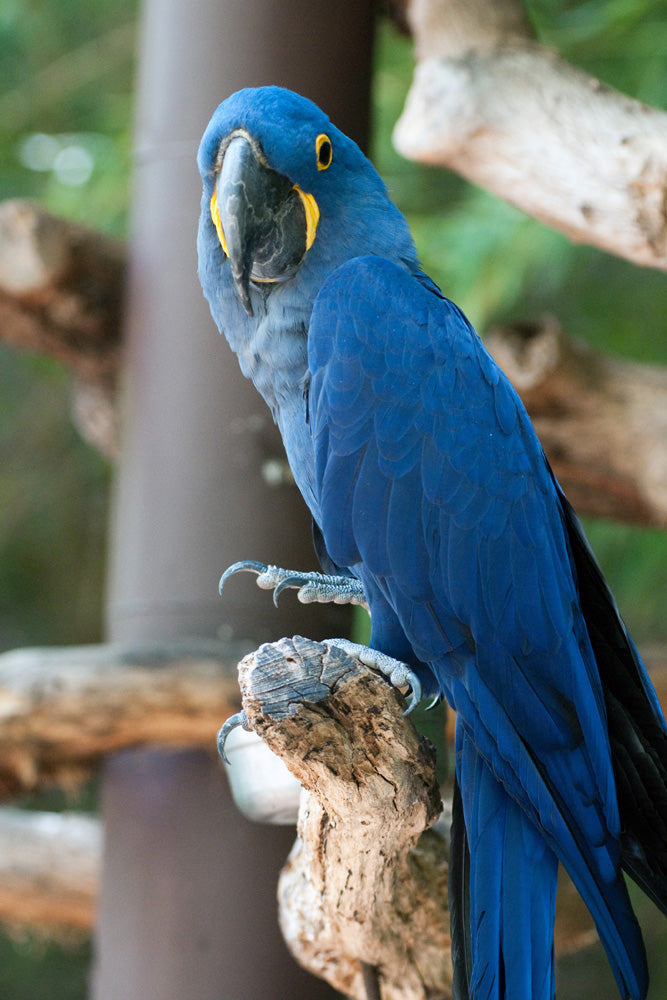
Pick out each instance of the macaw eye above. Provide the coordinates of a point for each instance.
(324, 151)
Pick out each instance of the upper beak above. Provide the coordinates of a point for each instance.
(262, 219)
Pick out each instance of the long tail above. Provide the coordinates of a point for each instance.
(503, 931)
(512, 881)
(637, 729)
(458, 885)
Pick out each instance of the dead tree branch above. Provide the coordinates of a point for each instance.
(49, 871)
(511, 116)
(357, 887)
(61, 710)
(602, 421)
(366, 881)
(61, 289)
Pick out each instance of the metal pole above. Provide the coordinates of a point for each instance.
(188, 897)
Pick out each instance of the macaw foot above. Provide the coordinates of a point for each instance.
(233, 722)
(398, 674)
(311, 587)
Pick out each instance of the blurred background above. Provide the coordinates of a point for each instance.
(66, 86)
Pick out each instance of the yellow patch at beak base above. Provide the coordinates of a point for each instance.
(312, 215)
(215, 216)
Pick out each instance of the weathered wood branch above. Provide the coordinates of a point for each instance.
(357, 888)
(49, 871)
(61, 290)
(49, 863)
(61, 710)
(366, 879)
(511, 116)
(602, 421)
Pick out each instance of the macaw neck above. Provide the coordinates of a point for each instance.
(272, 348)
(274, 355)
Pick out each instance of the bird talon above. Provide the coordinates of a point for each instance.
(310, 587)
(415, 698)
(398, 674)
(232, 723)
(289, 582)
(244, 566)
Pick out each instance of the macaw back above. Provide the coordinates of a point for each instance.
(426, 481)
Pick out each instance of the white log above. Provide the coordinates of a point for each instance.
(49, 870)
(511, 116)
(61, 710)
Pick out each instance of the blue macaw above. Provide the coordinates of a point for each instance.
(430, 494)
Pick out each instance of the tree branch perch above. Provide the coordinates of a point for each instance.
(366, 881)
(357, 888)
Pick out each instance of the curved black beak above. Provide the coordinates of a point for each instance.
(263, 224)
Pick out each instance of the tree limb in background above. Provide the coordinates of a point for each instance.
(61, 291)
(49, 871)
(508, 114)
(62, 710)
(602, 421)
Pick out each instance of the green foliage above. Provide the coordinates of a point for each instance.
(619, 41)
(67, 74)
(34, 968)
(66, 78)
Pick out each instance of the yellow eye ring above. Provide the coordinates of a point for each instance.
(323, 151)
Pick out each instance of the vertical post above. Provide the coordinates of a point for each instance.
(188, 895)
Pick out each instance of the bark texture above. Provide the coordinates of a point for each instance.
(360, 885)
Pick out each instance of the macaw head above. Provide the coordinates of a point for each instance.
(286, 194)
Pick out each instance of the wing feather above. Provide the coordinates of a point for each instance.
(434, 489)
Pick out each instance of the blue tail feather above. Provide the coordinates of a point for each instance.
(513, 877)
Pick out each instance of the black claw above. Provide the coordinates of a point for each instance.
(233, 722)
(245, 566)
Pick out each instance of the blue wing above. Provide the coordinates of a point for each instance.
(434, 490)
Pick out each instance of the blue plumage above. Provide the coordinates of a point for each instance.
(426, 481)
